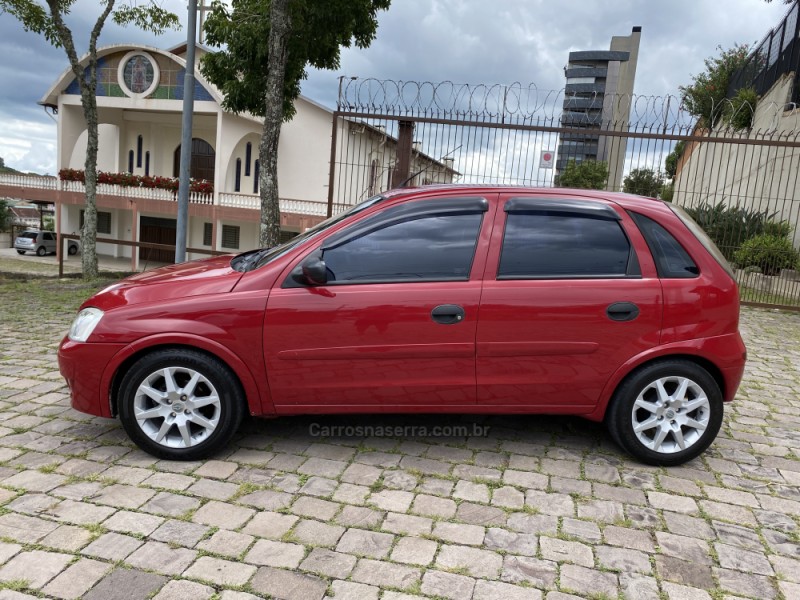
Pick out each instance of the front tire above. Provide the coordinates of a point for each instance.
(666, 413)
(179, 404)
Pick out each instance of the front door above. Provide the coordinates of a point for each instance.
(157, 231)
(565, 303)
(395, 324)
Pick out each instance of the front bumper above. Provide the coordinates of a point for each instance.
(84, 365)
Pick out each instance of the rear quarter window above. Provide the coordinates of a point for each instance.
(672, 260)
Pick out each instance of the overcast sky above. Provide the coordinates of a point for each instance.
(464, 41)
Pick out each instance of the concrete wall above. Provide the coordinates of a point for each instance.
(765, 178)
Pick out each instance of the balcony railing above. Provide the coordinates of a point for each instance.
(300, 207)
(234, 200)
(29, 181)
(107, 189)
(776, 55)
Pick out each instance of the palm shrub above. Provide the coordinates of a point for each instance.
(730, 227)
(770, 253)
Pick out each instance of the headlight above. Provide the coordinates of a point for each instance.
(84, 324)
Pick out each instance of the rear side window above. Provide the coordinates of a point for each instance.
(545, 244)
(672, 261)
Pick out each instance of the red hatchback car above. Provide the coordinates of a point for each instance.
(445, 299)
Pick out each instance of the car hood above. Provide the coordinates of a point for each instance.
(195, 278)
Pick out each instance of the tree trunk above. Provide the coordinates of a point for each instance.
(280, 27)
(89, 104)
(89, 229)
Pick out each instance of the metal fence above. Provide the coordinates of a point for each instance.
(741, 185)
(778, 53)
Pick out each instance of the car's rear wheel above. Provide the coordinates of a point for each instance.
(180, 404)
(20, 251)
(72, 250)
(666, 413)
(41, 251)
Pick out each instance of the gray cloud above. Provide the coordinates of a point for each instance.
(465, 41)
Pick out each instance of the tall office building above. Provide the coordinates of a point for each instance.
(598, 97)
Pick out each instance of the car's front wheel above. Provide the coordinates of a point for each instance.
(666, 413)
(180, 404)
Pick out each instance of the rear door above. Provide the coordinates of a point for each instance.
(395, 324)
(49, 240)
(570, 294)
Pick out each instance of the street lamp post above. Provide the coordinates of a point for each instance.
(186, 136)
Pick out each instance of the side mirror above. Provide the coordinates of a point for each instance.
(312, 271)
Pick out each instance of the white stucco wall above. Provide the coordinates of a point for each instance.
(761, 177)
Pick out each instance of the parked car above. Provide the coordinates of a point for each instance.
(445, 299)
(42, 243)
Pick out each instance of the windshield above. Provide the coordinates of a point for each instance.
(247, 261)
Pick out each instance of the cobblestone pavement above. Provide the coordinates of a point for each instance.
(540, 508)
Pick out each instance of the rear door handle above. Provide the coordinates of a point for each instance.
(622, 311)
(448, 314)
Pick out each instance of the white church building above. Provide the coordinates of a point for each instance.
(140, 99)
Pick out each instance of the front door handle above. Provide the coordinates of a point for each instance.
(448, 314)
(622, 311)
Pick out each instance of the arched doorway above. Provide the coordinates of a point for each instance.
(202, 160)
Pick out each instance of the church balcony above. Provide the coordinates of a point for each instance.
(287, 205)
(51, 189)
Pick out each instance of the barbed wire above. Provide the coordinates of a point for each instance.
(520, 103)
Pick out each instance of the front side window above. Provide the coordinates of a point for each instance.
(552, 245)
(429, 248)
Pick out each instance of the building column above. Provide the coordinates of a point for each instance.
(134, 235)
(405, 144)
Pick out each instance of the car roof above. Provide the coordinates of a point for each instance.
(621, 198)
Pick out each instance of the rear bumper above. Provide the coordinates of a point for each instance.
(731, 363)
(84, 366)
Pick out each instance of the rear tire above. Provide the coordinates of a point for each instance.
(20, 251)
(41, 251)
(179, 404)
(666, 413)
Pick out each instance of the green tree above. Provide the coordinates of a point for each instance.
(588, 175)
(671, 162)
(644, 182)
(266, 46)
(5, 214)
(48, 18)
(706, 96)
(741, 109)
(667, 192)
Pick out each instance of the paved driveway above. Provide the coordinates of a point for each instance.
(541, 507)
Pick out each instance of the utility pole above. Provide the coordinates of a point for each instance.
(186, 136)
